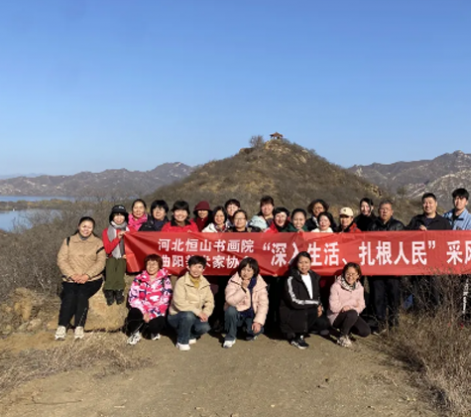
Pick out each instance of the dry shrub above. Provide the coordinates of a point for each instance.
(108, 350)
(436, 343)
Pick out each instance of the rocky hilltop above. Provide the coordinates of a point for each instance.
(440, 175)
(119, 183)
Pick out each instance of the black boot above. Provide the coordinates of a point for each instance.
(109, 295)
(119, 296)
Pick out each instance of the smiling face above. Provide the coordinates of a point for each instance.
(430, 206)
(85, 228)
(196, 270)
(158, 213)
(267, 210)
(299, 220)
(324, 223)
(304, 265)
(351, 275)
(231, 209)
(138, 210)
(202, 214)
(317, 209)
(345, 221)
(219, 218)
(152, 267)
(240, 222)
(280, 219)
(460, 203)
(365, 208)
(119, 218)
(385, 212)
(180, 216)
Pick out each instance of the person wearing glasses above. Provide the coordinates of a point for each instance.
(346, 302)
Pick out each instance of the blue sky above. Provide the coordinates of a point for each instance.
(91, 85)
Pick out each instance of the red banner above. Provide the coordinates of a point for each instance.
(378, 253)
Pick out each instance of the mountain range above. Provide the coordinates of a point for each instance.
(119, 183)
(440, 175)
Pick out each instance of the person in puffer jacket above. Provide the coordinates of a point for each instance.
(346, 302)
(246, 302)
(149, 298)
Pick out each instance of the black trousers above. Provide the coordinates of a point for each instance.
(135, 321)
(426, 290)
(387, 299)
(350, 320)
(315, 323)
(75, 301)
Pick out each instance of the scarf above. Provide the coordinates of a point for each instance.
(135, 224)
(345, 285)
(195, 281)
(112, 232)
(201, 223)
(291, 228)
(249, 313)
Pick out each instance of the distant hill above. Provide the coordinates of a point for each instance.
(291, 174)
(119, 183)
(440, 175)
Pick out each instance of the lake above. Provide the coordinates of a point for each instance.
(20, 217)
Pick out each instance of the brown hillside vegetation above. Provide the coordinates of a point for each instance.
(291, 174)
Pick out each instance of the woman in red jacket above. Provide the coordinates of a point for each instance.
(180, 220)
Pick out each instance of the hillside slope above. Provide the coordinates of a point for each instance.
(291, 174)
(110, 183)
(440, 175)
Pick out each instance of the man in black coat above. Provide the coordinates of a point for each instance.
(386, 290)
(427, 294)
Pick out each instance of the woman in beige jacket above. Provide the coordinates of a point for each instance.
(81, 260)
(246, 302)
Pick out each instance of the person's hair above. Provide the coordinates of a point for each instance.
(197, 260)
(181, 205)
(232, 201)
(159, 204)
(383, 202)
(302, 254)
(311, 205)
(279, 210)
(429, 195)
(153, 257)
(352, 265)
(368, 201)
(252, 263)
(461, 192)
(267, 200)
(215, 210)
(329, 216)
(86, 219)
(138, 200)
(299, 210)
(243, 212)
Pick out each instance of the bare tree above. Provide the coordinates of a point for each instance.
(256, 141)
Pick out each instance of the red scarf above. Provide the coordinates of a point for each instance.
(135, 224)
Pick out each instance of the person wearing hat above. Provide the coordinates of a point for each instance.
(113, 241)
(347, 225)
(202, 214)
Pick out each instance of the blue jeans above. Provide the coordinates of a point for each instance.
(233, 319)
(188, 326)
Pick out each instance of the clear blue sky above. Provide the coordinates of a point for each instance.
(97, 84)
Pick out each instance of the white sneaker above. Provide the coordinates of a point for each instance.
(344, 341)
(155, 336)
(134, 338)
(192, 341)
(60, 333)
(228, 344)
(182, 347)
(78, 333)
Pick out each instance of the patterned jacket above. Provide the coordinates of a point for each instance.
(151, 297)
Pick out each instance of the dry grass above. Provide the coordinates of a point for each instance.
(437, 346)
(108, 352)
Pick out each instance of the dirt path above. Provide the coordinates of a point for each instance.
(262, 378)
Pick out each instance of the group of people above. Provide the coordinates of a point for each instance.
(188, 304)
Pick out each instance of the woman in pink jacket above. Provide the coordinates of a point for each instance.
(346, 302)
(246, 302)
